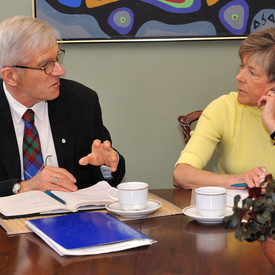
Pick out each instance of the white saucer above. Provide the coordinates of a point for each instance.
(151, 207)
(191, 211)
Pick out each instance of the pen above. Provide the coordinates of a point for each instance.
(54, 196)
(239, 185)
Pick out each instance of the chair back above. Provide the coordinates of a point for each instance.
(185, 122)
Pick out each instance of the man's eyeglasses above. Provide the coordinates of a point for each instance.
(49, 67)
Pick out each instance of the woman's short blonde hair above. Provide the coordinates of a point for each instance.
(260, 46)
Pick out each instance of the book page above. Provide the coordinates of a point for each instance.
(39, 202)
(96, 195)
(28, 203)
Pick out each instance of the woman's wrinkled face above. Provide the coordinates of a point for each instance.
(252, 82)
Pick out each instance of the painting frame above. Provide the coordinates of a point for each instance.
(93, 25)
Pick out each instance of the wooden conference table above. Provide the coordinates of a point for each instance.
(184, 247)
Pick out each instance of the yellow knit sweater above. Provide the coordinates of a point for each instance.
(237, 133)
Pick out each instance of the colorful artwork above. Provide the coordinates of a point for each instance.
(138, 20)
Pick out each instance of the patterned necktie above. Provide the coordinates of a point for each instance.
(32, 156)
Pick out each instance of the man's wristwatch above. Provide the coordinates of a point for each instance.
(16, 187)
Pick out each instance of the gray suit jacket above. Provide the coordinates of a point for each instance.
(75, 118)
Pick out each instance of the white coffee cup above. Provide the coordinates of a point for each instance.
(211, 201)
(131, 195)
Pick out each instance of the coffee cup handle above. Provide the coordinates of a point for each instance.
(112, 189)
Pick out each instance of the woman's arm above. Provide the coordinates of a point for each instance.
(189, 177)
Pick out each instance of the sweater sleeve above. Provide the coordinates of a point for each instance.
(208, 133)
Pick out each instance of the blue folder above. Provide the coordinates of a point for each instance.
(77, 231)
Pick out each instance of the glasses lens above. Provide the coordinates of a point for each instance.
(60, 56)
(49, 68)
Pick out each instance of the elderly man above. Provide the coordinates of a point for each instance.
(52, 136)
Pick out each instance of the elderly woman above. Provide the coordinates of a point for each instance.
(240, 125)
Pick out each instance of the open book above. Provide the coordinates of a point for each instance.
(34, 202)
(87, 234)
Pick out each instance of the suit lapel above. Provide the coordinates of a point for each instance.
(8, 143)
(63, 132)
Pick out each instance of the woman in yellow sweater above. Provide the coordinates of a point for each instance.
(240, 126)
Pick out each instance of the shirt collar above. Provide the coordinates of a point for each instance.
(18, 109)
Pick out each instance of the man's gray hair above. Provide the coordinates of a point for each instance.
(22, 35)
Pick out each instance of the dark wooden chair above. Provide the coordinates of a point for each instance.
(185, 122)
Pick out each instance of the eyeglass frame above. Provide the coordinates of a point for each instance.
(60, 53)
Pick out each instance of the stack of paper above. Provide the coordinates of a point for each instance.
(87, 234)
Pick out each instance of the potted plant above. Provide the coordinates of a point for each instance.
(255, 218)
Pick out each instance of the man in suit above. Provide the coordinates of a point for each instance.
(75, 145)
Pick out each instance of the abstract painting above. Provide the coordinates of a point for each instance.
(155, 20)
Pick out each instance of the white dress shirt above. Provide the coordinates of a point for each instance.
(42, 123)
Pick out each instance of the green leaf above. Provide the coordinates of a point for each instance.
(237, 199)
(255, 220)
(239, 234)
(248, 203)
(231, 221)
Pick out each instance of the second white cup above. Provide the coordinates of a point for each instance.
(131, 195)
(211, 201)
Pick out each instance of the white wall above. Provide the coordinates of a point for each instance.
(143, 87)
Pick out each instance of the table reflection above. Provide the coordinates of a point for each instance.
(209, 238)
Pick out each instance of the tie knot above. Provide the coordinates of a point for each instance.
(28, 116)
